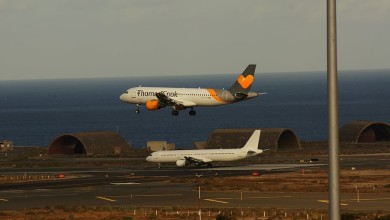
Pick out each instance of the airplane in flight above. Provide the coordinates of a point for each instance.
(155, 98)
(207, 156)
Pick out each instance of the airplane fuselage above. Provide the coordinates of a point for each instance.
(206, 156)
(190, 96)
(215, 155)
(155, 98)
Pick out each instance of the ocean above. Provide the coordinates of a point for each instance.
(35, 112)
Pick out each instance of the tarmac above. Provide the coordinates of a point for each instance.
(147, 186)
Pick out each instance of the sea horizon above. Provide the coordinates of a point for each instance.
(35, 112)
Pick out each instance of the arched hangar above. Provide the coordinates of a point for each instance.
(91, 143)
(364, 132)
(270, 138)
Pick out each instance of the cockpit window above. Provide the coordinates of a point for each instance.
(126, 92)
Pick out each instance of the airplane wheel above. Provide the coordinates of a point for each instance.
(137, 111)
(209, 165)
(175, 113)
(192, 112)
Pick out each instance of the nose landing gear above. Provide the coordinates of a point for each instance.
(137, 110)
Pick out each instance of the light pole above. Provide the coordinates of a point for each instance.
(333, 141)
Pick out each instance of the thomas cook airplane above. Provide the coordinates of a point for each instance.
(200, 157)
(155, 98)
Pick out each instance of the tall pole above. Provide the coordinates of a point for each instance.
(333, 130)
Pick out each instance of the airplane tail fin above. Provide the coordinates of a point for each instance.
(242, 86)
(253, 142)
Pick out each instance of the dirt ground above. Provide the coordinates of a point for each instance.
(367, 181)
(168, 213)
(311, 180)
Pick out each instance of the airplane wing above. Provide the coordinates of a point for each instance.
(198, 160)
(254, 152)
(250, 152)
(171, 101)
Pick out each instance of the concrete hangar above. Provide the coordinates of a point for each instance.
(110, 143)
(270, 138)
(365, 132)
(89, 143)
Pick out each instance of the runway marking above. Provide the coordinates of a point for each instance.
(129, 183)
(327, 201)
(12, 191)
(4, 200)
(268, 197)
(157, 195)
(258, 197)
(124, 196)
(104, 198)
(218, 201)
(48, 195)
(375, 199)
(134, 195)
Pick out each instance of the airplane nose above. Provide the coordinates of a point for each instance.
(148, 158)
(122, 97)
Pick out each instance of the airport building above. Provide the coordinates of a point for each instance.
(159, 145)
(6, 146)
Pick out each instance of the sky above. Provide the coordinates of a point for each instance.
(42, 39)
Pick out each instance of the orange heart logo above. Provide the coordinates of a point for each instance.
(245, 82)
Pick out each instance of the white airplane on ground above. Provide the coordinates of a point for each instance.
(155, 98)
(207, 156)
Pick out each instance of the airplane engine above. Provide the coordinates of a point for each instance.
(181, 163)
(154, 105)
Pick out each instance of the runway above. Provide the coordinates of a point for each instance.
(148, 186)
(94, 177)
(162, 194)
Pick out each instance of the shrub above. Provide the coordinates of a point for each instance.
(349, 216)
(386, 217)
(71, 217)
(222, 217)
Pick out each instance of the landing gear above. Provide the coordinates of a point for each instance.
(209, 165)
(137, 110)
(192, 112)
(175, 111)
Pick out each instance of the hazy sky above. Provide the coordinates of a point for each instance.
(104, 38)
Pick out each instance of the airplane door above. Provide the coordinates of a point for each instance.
(133, 94)
(224, 95)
